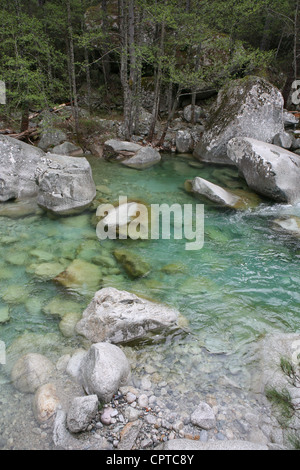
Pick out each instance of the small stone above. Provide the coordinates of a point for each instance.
(106, 416)
(146, 384)
(203, 436)
(82, 411)
(150, 419)
(130, 397)
(203, 416)
(143, 401)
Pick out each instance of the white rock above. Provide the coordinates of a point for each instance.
(103, 370)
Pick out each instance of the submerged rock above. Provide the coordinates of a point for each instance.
(68, 324)
(291, 225)
(60, 307)
(268, 169)
(4, 315)
(133, 264)
(119, 316)
(30, 372)
(249, 107)
(66, 184)
(103, 370)
(80, 273)
(238, 199)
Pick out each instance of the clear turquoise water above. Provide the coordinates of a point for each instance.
(243, 284)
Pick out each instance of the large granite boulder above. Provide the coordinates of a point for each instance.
(66, 184)
(119, 316)
(104, 370)
(268, 169)
(18, 162)
(63, 185)
(249, 107)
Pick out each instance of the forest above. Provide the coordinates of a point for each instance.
(106, 56)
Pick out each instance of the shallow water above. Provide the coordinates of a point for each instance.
(243, 284)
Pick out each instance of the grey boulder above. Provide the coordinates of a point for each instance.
(114, 148)
(18, 162)
(67, 148)
(143, 159)
(103, 370)
(66, 184)
(184, 141)
(250, 107)
(269, 170)
(81, 412)
(284, 140)
(119, 316)
(50, 137)
(187, 113)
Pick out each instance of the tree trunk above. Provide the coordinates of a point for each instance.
(74, 104)
(170, 117)
(157, 85)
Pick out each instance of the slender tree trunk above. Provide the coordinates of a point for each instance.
(296, 48)
(157, 91)
(124, 68)
(105, 60)
(170, 117)
(72, 68)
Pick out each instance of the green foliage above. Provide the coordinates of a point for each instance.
(290, 371)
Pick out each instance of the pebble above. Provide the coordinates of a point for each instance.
(143, 401)
(203, 436)
(130, 397)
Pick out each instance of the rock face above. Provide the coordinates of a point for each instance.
(103, 370)
(290, 225)
(289, 119)
(81, 413)
(119, 316)
(18, 162)
(30, 372)
(66, 184)
(249, 107)
(143, 159)
(268, 170)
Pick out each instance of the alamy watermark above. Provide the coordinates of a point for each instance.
(158, 221)
(2, 92)
(2, 353)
